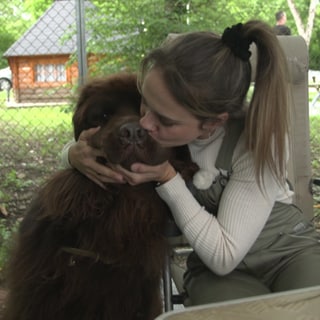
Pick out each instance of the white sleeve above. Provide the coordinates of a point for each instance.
(222, 242)
(65, 155)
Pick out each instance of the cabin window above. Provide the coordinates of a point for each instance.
(50, 73)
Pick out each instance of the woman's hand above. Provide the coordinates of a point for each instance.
(83, 157)
(141, 173)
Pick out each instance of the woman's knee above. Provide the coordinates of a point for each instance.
(300, 272)
(208, 288)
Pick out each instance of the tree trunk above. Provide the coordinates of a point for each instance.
(304, 31)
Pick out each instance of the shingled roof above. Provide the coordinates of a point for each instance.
(47, 35)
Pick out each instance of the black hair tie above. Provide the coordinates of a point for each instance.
(234, 39)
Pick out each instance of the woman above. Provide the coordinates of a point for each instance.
(248, 237)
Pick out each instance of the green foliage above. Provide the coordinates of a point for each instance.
(37, 139)
(12, 180)
(7, 232)
(143, 24)
(123, 32)
(4, 197)
(314, 54)
(315, 159)
(16, 17)
(315, 144)
(37, 7)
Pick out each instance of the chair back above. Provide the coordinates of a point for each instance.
(300, 173)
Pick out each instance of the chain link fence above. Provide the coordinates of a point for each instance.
(36, 106)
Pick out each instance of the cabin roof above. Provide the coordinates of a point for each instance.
(49, 35)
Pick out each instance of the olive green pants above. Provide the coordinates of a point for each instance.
(286, 256)
(302, 270)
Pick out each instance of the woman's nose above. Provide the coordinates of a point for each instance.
(147, 122)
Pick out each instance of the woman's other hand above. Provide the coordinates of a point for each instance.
(141, 173)
(83, 157)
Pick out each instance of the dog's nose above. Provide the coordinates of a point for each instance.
(132, 132)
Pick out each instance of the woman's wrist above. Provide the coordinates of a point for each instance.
(65, 155)
(167, 177)
(70, 155)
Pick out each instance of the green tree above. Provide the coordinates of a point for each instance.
(12, 21)
(305, 14)
(37, 7)
(123, 31)
(126, 31)
(304, 26)
(16, 17)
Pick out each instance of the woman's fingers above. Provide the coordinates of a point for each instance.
(86, 134)
(105, 174)
(144, 173)
(84, 158)
(93, 178)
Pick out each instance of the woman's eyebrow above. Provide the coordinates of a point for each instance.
(144, 101)
(160, 116)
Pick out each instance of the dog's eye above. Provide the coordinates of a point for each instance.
(99, 119)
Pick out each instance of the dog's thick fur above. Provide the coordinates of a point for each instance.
(85, 253)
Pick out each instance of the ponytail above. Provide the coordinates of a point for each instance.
(267, 121)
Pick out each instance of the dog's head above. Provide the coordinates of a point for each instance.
(113, 103)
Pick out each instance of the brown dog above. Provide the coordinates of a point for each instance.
(87, 253)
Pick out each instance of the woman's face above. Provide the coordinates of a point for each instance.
(167, 121)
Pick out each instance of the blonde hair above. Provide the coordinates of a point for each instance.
(205, 76)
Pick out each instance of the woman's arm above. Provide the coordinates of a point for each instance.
(222, 242)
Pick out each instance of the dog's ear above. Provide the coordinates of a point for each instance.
(183, 163)
(78, 119)
(113, 90)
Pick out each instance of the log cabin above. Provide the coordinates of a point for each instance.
(40, 61)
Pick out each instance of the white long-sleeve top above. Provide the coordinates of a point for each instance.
(65, 154)
(222, 242)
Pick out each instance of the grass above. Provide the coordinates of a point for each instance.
(31, 140)
(39, 118)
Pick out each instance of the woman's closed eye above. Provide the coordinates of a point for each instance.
(166, 122)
